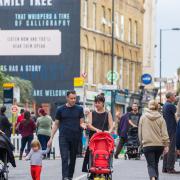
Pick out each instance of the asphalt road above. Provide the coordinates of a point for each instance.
(125, 170)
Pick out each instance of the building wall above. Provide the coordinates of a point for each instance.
(96, 44)
(149, 36)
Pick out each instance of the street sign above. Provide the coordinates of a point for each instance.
(90, 95)
(114, 74)
(8, 95)
(78, 82)
(8, 85)
(14, 109)
(84, 75)
(109, 87)
(146, 79)
(160, 79)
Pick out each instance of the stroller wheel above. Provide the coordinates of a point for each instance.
(109, 177)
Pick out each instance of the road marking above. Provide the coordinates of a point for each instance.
(85, 175)
(81, 177)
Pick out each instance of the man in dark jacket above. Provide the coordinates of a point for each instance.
(169, 110)
(5, 125)
(122, 131)
(178, 138)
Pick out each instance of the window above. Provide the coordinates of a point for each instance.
(127, 75)
(117, 24)
(94, 16)
(122, 28)
(91, 67)
(136, 33)
(103, 19)
(130, 31)
(109, 21)
(121, 73)
(85, 13)
(133, 77)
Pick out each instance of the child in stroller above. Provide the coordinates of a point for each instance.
(6, 156)
(133, 147)
(101, 148)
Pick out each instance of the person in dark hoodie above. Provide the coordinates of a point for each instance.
(153, 137)
(122, 131)
(5, 125)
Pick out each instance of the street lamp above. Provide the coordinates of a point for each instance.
(112, 63)
(160, 62)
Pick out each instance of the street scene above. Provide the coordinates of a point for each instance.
(89, 90)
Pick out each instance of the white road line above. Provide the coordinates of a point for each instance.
(85, 175)
(80, 177)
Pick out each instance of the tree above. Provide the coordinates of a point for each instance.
(25, 86)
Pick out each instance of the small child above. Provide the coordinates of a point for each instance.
(35, 156)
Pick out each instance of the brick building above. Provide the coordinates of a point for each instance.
(96, 43)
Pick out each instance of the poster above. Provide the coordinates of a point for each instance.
(40, 42)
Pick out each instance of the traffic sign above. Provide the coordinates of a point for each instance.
(84, 75)
(114, 74)
(160, 79)
(78, 82)
(146, 79)
(14, 109)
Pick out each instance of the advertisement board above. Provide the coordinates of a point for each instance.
(40, 42)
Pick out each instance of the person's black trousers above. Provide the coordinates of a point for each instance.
(170, 158)
(122, 141)
(86, 161)
(153, 155)
(26, 140)
(68, 150)
(43, 139)
(80, 146)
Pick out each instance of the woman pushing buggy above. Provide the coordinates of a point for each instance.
(98, 158)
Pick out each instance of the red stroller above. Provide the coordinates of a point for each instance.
(101, 148)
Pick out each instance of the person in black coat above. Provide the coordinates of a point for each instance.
(5, 125)
(178, 138)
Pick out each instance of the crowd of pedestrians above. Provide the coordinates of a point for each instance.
(158, 132)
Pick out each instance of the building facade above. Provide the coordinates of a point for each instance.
(96, 42)
(149, 37)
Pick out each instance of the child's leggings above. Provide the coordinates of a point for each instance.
(36, 172)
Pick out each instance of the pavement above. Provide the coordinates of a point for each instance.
(123, 170)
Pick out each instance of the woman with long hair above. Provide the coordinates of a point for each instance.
(153, 137)
(26, 128)
(98, 121)
(44, 124)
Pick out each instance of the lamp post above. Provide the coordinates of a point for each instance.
(112, 61)
(160, 62)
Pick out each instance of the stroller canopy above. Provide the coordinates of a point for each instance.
(6, 147)
(102, 141)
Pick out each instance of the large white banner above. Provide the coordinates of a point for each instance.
(30, 42)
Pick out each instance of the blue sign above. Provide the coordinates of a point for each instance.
(146, 79)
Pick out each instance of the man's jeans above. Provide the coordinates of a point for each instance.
(43, 139)
(170, 157)
(68, 150)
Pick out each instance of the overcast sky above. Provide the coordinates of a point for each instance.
(168, 16)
